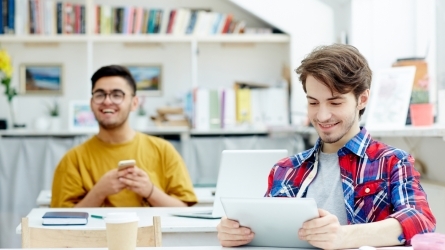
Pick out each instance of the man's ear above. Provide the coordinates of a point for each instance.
(134, 103)
(363, 100)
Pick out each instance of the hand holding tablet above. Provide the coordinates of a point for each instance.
(274, 221)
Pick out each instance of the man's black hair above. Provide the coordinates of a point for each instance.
(114, 70)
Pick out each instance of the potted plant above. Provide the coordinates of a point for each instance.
(141, 119)
(5, 75)
(421, 110)
(54, 113)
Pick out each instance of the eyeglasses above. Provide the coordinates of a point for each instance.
(116, 96)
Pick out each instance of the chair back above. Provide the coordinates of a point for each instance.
(33, 237)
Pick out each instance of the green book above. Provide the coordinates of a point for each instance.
(214, 110)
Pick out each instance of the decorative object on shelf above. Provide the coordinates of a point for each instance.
(148, 79)
(170, 117)
(420, 111)
(41, 79)
(54, 113)
(81, 118)
(141, 118)
(390, 95)
(10, 91)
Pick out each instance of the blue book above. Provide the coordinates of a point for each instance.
(65, 218)
(11, 16)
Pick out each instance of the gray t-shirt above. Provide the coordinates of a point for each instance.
(327, 189)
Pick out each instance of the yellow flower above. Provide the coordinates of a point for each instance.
(5, 63)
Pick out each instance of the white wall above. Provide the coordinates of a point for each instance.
(384, 30)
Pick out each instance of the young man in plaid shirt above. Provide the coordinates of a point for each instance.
(368, 193)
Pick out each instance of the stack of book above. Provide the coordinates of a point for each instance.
(138, 20)
(42, 17)
(258, 106)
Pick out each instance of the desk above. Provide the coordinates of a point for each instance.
(176, 231)
(205, 195)
(210, 248)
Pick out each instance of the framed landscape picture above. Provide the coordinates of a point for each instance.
(148, 79)
(81, 118)
(41, 79)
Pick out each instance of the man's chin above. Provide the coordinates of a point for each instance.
(106, 125)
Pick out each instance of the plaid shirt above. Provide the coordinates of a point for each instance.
(378, 182)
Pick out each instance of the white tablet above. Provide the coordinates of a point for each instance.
(275, 221)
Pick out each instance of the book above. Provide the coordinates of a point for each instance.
(65, 218)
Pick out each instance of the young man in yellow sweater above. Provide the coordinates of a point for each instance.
(87, 176)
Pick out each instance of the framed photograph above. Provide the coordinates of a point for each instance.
(41, 79)
(390, 97)
(148, 79)
(81, 118)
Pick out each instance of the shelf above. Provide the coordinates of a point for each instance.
(245, 38)
(43, 38)
(151, 130)
(240, 131)
(410, 131)
(144, 38)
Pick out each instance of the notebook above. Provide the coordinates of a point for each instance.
(242, 173)
(65, 218)
(275, 221)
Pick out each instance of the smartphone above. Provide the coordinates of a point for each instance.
(126, 164)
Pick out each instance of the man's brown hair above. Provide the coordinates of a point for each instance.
(340, 67)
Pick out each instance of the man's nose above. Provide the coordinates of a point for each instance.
(107, 99)
(323, 114)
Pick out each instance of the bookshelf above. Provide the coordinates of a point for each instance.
(188, 60)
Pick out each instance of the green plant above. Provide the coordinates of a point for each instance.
(141, 110)
(54, 109)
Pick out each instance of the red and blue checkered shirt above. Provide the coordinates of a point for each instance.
(378, 181)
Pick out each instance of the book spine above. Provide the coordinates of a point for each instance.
(158, 23)
(170, 21)
(11, 14)
(82, 19)
(59, 18)
(4, 14)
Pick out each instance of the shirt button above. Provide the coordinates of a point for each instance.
(282, 190)
(367, 190)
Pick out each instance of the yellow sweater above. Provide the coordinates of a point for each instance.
(83, 166)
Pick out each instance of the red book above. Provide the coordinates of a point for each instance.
(227, 23)
(77, 18)
(171, 21)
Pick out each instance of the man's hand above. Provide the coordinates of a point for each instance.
(231, 234)
(324, 232)
(109, 184)
(136, 180)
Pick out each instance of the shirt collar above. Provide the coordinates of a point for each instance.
(357, 145)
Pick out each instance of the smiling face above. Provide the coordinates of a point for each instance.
(334, 116)
(108, 114)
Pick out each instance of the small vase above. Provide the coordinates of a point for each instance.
(141, 123)
(422, 114)
(54, 123)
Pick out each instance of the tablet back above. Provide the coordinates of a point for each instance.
(275, 221)
(244, 173)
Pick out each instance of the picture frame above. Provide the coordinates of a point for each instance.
(390, 98)
(81, 117)
(148, 78)
(41, 79)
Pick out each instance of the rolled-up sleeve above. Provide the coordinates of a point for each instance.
(411, 207)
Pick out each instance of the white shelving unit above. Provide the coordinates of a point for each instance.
(185, 59)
